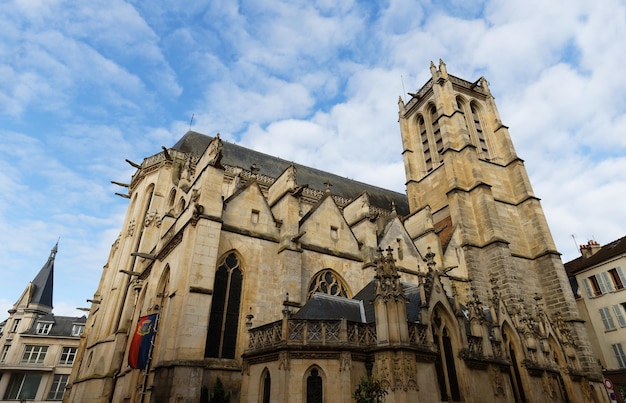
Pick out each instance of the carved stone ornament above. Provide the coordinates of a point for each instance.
(283, 361)
(131, 228)
(410, 370)
(497, 381)
(345, 363)
(245, 368)
(383, 370)
(150, 218)
(116, 244)
(195, 195)
(214, 151)
(387, 279)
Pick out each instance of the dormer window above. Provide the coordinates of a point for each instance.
(77, 330)
(43, 328)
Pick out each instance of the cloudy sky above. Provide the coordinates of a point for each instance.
(85, 85)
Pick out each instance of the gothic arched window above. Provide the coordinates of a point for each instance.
(421, 128)
(478, 127)
(515, 376)
(445, 363)
(267, 384)
(434, 119)
(221, 338)
(328, 282)
(314, 387)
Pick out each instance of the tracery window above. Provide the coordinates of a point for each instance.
(224, 318)
(327, 282)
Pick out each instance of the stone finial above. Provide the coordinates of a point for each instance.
(485, 84)
(443, 69)
(433, 70)
(253, 170)
(401, 107)
(387, 279)
(328, 186)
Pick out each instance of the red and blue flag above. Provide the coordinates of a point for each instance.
(141, 342)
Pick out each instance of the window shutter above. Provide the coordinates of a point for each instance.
(607, 320)
(607, 281)
(620, 315)
(620, 273)
(619, 355)
(601, 283)
(588, 288)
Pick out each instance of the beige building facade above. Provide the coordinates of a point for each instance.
(37, 348)
(291, 284)
(599, 284)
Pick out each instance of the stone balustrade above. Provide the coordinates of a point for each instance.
(339, 332)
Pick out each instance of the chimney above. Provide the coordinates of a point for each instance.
(590, 249)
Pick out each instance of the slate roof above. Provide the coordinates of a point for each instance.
(62, 325)
(43, 282)
(322, 306)
(608, 251)
(236, 155)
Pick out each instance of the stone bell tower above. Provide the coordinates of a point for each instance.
(462, 167)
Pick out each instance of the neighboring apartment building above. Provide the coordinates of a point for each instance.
(37, 348)
(598, 279)
(268, 275)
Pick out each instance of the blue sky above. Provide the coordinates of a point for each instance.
(85, 85)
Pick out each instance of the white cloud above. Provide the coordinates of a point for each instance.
(85, 85)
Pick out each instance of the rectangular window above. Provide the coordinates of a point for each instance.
(619, 354)
(16, 325)
(619, 314)
(5, 352)
(58, 387)
(617, 276)
(607, 319)
(22, 387)
(43, 328)
(67, 356)
(77, 330)
(600, 284)
(34, 354)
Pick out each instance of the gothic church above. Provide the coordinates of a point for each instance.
(290, 284)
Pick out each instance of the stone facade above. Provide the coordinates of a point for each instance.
(291, 284)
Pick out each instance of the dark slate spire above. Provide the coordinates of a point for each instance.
(43, 283)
